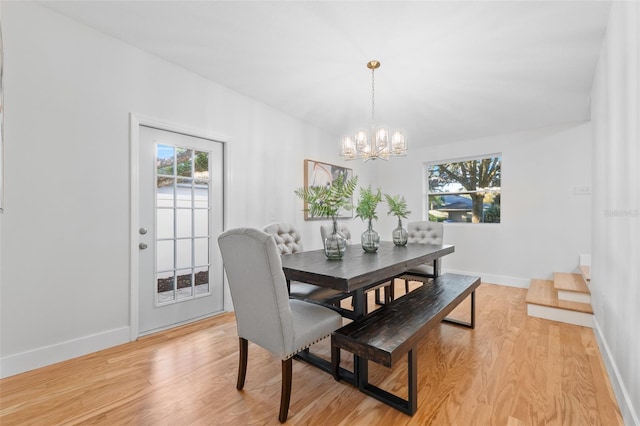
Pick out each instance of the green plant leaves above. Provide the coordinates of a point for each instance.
(397, 206)
(326, 201)
(367, 203)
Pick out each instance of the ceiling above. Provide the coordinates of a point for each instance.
(450, 70)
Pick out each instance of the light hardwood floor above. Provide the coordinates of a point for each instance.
(510, 370)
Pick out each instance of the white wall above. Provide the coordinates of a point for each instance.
(615, 283)
(69, 91)
(544, 225)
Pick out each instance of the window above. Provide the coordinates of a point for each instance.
(182, 223)
(465, 190)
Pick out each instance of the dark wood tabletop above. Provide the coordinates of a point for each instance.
(358, 269)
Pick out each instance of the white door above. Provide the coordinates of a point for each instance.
(180, 216)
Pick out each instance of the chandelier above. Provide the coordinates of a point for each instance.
(379, 144)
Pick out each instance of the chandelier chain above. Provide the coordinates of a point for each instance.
(373, 95)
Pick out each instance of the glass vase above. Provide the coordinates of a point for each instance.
(370, 239)
(400, 235)
(335, 244)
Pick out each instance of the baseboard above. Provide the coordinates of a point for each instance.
(495, 279)
(30, 360)
(629, 414)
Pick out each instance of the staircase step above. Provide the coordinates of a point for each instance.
(542, 302)
(570, 282)
(542, 292)
(571, 287)
(585, 270)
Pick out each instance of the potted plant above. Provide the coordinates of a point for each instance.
(327, 201)
(398, 207)
(366, 210)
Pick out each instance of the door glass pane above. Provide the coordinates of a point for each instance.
(201, 194)
(164, 223)
(185, 162)
(183, 255)
(201, 165)
(200, 222)
(184, 283)
(165, 160)
(164, 255)
(201, 251)
(165, 191)
(183, 223)
(165, 287)
(202, 280)
(184, 194)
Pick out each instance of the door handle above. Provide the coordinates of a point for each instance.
(142, 246)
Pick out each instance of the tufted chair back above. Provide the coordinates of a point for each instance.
(425, 232)
(288, 239)
(325, 230)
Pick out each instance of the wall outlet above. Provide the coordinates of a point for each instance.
(582, 190)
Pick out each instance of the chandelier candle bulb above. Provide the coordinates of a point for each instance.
(398, 144)
(348, 146)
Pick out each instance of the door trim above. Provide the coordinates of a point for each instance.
(135, 121)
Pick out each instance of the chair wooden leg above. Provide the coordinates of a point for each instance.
(335, 360)
(242, 367)
(406, 286)
(378, 298)
(285, 396)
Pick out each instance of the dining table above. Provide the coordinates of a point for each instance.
(356, 272)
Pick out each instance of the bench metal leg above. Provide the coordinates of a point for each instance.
(412, 373)
(335, 361)
(408, 406)
(471, 324)
(361, 369)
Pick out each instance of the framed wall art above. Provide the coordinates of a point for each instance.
(317, 173)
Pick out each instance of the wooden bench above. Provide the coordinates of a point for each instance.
(395, 329)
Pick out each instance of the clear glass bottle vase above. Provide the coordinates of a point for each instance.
(335, 244)
(370, 239)
(400, 235)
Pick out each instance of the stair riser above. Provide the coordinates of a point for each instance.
(574, 297)
(560, 315)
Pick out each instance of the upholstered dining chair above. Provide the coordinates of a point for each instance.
(288, 241)
(424, 232)
(264, 313)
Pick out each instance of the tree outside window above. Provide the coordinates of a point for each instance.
(465, 191)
